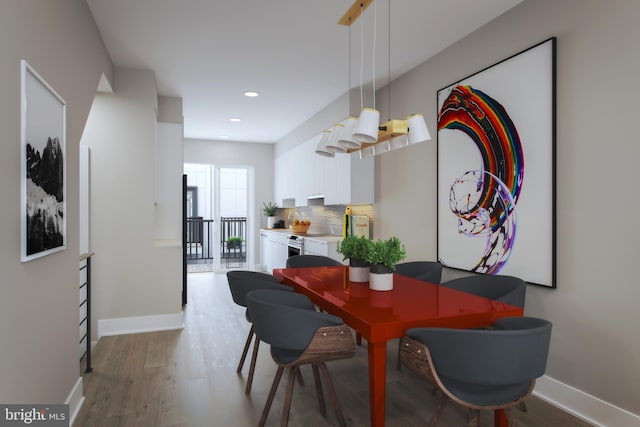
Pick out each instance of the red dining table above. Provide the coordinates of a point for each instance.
(379, 316)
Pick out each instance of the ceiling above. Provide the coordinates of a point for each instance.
(293, 52)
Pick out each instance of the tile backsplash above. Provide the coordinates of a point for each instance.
(326, 219)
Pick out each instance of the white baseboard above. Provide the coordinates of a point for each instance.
(582, 405)
(75, 401)
(134, 325)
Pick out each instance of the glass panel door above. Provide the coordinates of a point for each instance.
(232, 207)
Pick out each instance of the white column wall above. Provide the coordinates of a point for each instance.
(133, 277)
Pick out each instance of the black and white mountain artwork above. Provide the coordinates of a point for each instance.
(45, 197)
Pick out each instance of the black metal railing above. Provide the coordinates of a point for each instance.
(233, 239)
(85, 310)
(199, 239)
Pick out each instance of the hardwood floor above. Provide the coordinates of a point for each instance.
(188, 378)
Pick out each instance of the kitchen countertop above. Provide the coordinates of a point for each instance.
(323, 237)
(314, 236)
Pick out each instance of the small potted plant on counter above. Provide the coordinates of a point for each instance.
(270, 210)
(355, 249)
(383, 255)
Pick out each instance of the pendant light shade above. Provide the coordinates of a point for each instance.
(321, 148)
(333, 144)
(346, 138)
(367, 127)
(418, 131)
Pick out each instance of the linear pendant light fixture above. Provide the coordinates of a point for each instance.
(367, 128)
(365, 133)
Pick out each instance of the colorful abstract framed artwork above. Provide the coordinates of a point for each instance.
(43, 165)
(496, 168)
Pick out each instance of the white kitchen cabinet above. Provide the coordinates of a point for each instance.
(316, 169)
(275, 249)
(349, 180)
(310, 172)
(264, 236)
(301, 174)
(322, 246)
(344, 179)
(283, 176)
(337, 187)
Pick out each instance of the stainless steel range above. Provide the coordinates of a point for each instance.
(295, 245)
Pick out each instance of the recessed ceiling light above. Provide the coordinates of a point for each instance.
(251, 94)
(234, 119)
(224, 136)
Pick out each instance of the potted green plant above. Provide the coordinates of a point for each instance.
(355, 249)
(270, 210)
(383, 255)
(234, 242)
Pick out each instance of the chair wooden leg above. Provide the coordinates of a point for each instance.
(442, 402)
(246, 350)
(252, 366)
(358, 338)
(507, 413)
(523, 406)
(474, 418)
(272, 393)
(288, 397)
(300, 379)
(316, 379)
(332, 394)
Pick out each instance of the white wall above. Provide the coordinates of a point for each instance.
(133, 277)
(595, 346)
(39, 303)
(168, 182)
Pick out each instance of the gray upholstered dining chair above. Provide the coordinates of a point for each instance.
(507, 289)
(429, 271)
(298, 261)
(481, 369)
(299, 335)
(242, 282)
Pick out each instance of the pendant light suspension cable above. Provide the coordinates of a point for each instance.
(361, 54)
(389, 84)
(349, 79)
(373, 68)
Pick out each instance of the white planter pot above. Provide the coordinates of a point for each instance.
(359, 274)
(380, 282)
(270, 221)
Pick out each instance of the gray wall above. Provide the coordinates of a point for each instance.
(595, 343)
(594, 308)
(39, 303)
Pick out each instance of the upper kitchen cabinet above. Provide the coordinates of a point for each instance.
(348, 180)
(301, 174)
(282, 179)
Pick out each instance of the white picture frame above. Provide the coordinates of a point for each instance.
(43, 167)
